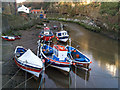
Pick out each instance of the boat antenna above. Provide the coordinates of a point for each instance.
(70, 41)
(38, 47)
(70, 47)
(61, 26)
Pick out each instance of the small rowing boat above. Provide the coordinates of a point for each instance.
(28, 61)
(17, 37)
(8, 38)
(77, 58)
(55, 27)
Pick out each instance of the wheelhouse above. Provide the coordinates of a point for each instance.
(59, 52)
(62, 33)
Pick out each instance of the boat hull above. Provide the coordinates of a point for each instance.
(60, 66)
(85, 65)
(46, 38)
(7, 39)
(82, 61)
(63, 39)
(28, 68)
(17, 37)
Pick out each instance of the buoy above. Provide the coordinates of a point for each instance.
(90, 61)
(77, 56)
(73, 63)
(43, 60)
(74, 50)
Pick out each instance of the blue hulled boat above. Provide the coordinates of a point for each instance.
(77, 58)
(56, 56)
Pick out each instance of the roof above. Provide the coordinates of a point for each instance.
(46, 28)
(31, 59)
(38, 10)
(62, 31)
(60, 48)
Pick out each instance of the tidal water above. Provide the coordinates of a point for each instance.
(101, 50)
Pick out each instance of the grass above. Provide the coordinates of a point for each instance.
(11, 33)
(16, 23)
(95, 29)
(38, 27)
(111, 34)
(110, 8)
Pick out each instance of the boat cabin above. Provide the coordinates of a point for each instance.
(46, 28)
(46, 32)
(62, 33)
(59, 52)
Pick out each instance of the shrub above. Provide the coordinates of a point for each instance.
(110, 8)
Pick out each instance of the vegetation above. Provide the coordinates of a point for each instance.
(13, 23)
(104, 14)
(38, 27)
(110, 8)
(95, 29)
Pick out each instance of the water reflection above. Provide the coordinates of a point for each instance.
(107, 62)
(111, 69)
(101, 50)
(81, 73)
(59, 78)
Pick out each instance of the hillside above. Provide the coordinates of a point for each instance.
(100, 12)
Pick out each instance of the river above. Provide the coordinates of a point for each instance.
(102, 51)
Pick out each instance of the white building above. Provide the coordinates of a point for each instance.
(23, 9)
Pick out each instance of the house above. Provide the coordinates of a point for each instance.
(23, 9)
(38, 12)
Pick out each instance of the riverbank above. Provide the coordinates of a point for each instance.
(11, 24)
(94, 28)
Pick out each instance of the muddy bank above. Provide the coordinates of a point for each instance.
(101, 50)
(9, 68)
(107, 33)
(29, 38)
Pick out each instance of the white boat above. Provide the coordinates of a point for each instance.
(62, 36)
(28, 61)
(8, 38)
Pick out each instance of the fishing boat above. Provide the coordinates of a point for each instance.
(8, 38)
(28, 61)
(17, 37)
(55, 27)
(46, 34)
(77, 58)
(62, 36)
(56, 56)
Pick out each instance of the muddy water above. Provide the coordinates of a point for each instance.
(104, 55)
(101, 50)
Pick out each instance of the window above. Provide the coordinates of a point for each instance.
(59, 34)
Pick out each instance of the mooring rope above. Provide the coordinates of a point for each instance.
(7, 62)
(11, 78)
(43, 74)
(24, 82)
